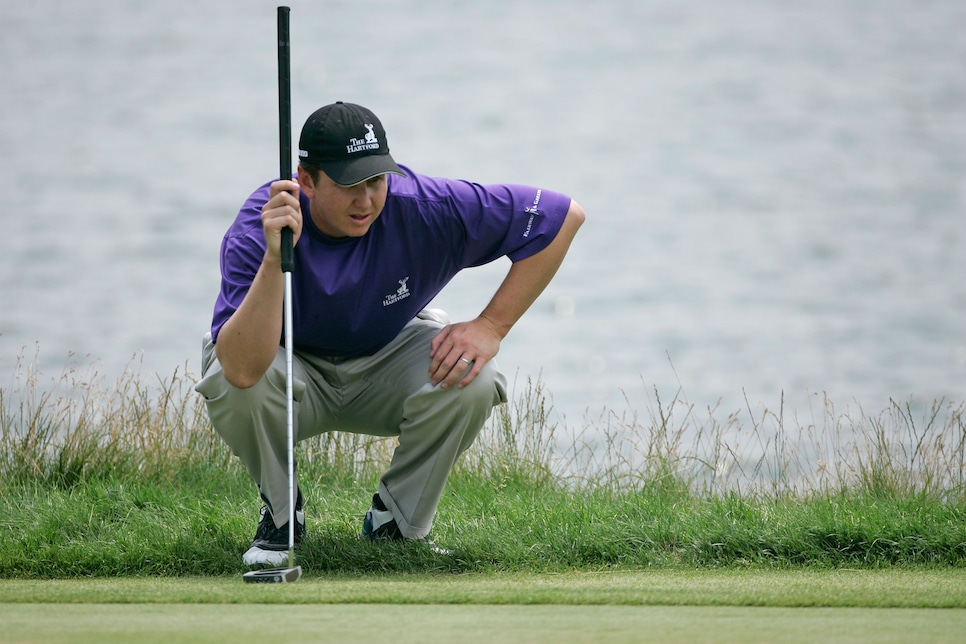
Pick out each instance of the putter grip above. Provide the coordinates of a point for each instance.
(285, 124)
(288, 261)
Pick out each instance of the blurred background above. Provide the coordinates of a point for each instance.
(776, 192)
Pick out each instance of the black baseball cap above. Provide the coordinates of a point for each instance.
(348, 142)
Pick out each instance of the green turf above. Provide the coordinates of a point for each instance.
(647, 606)
(124, 517)
(889, 588)
(167, 623)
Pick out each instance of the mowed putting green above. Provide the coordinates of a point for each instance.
(666, 605)
(472, 623)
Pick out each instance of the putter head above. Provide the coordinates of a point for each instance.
(273, 575)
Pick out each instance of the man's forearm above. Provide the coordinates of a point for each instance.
(527, 278)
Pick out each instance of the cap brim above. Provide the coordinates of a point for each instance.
(355, 171)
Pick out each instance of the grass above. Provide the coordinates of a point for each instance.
(474, 623)
(120, 505)
(843, 588)
(130, 480)
(662, 605)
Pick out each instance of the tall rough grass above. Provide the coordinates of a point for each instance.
(66, 430)
(76, 427)
(677, 447)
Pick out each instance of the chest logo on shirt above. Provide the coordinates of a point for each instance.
(401, 293)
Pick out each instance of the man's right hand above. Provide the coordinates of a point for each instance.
(248, 341)
(280, 211)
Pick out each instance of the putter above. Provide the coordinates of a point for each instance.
(293, 572)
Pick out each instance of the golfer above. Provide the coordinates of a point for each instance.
(374, 243)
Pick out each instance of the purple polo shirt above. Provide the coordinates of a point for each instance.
(352, 296)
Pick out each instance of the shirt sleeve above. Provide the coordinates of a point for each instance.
(508, 220)
(242, 250)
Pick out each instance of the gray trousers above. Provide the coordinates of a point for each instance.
(386, 394)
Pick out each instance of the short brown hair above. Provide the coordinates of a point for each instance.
(314, 170)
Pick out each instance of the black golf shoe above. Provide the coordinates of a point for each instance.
(270, 545)
(379, 525)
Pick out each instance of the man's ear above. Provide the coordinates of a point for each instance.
(306, 185)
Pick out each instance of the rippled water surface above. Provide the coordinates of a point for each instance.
(776, 192)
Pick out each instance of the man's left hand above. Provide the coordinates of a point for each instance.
(459, 352)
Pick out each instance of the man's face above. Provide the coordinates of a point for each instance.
(344, 211)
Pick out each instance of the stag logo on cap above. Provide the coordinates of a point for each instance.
(369, 142)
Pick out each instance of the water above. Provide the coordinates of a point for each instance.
(776, 192)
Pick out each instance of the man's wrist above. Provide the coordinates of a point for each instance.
(271, 260)
(498, 328)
